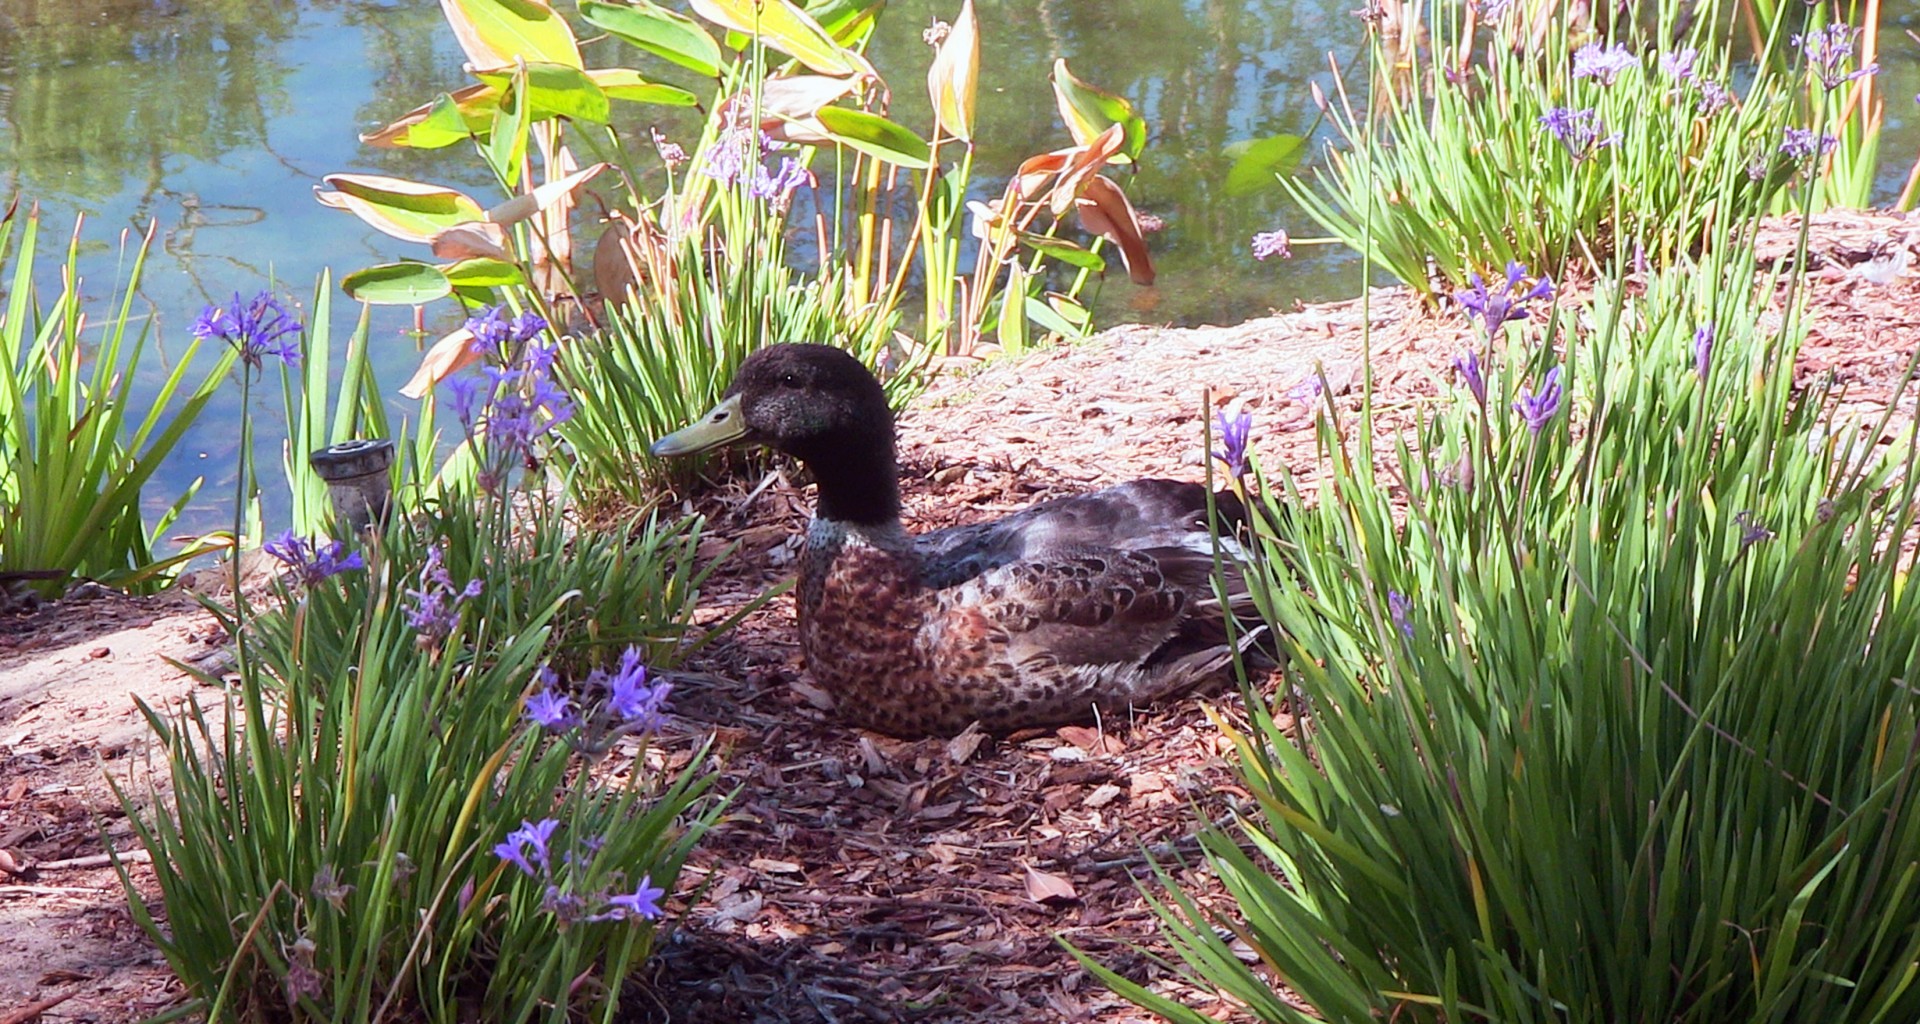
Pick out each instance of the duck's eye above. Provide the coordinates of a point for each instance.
(789, 380)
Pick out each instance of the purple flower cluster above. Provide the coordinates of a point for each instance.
(256, 328)
(1581, 131)
(1468, 363)
(1604, 63)
(1679, 64)
(1828, 50)
(1400, 608)
(670, 152)
(513, 405)
(436, 605)
(729, 163)
(633, 703)
(530, 848)
(1799, 144)
(1235, 431)
(1537, 408)
(494, 333)
(1272, 243)
(1497, 307)
(1752, 531)
(310, 561)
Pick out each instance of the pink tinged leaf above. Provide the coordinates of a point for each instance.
(467, 241)
(1043, 887)
(1105, 211)
(1083, 164)
(447, 357)
(953, 79)
(495, 33)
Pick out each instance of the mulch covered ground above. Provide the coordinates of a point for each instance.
(860, 878)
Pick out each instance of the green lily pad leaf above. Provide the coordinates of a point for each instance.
(665, 34)
(1088, 111)
(876, 136)
(397, 284)
(555, 90)
(1258, 162)
(481, 272)
(495, 33)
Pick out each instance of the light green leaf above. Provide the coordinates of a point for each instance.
(1088, 111)
(397, 284)
(1065, 251)
(666, 34)
(481, 272)
(555, 90)
(1258, 162)
(495, 33)
(785, 28)
(406, 210)
(876, 136)
(627, 84)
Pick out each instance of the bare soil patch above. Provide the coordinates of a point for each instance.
(856, 877)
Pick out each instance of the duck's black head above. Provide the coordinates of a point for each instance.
(820, 405)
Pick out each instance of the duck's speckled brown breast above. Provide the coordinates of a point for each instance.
(861, 610)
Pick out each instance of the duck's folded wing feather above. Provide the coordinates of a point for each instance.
(1080, 606)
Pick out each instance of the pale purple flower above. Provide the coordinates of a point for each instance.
(643, 902)
(1602, 62)
(328, 887)
(1751, 531)
(1828, 50)
(1713, 97)
(670, 152)
(1400, 608)
(550, 708)
(1497, 307)
(256, 329)
(637, 704)
(309, 560)
(1801, 144)
(1580, 131)
(779, 185)
(436, 605)
(1702, 349)
(1272, 243)
(1538, 408)
(735, 149)
(529, 838)
(1468, 363)
(515, 405)
(1678, 64)
(564, 905)
(494, 331)
(1235, 431)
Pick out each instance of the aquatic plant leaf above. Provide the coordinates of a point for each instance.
(849, 22)
(876, 136)
(1257, 163)
(407, 210)
(1081, 164)
(520, 207)
(786, 28)
(554, 90)
(628, 84)
(506, 147)
(1063, 250)
(495, 33)
(476, 238)
(1105, 211)
(482, 272)
(1088, 111)
(669, 35)
(447, 357)
(787, 106)
(448, 119)
(954, 77)
(397, 284)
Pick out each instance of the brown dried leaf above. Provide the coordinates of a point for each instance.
(448, 356)
(1085, 161)
(1043, 887)
(767, 865)
(1104, 210)
(961, 748)
(476, 239)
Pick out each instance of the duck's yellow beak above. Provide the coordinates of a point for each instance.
(723, 424)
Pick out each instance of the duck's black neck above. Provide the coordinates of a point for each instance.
(858, 485)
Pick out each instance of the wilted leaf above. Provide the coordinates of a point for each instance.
(954, 77)
(1043, 887)
(520, 207)
(408, 210)
(786, 28)
(666, 34)
(1082, 164)
(876, 136)
(397, 284)
(481, 272)
(495, 33)
(447, 357)
(1105, 211)
(1257, 162)
(474, 239)
(554, 90)
(1088, 111)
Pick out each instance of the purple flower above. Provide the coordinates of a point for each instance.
(637, 704)
(1580, 131)
(1272, 243)
(1400, 608)
(310, 561)
(1602, 62)
(643, 902)
(551, 708)
(1713, 97)
(255, 329)
(1537, 408)
(564, 905)
(493, 332)
(1702, 349)
(528, 838)
(1801, 144)
(1751, 532)
(728, 156)
(327, 886)
(1827, 50)
(1495, 308)
(779, 185)
(1679, 64)
(670, 152)
(516, 404)
(436, 605)
(1468, 363)
(1235, 431)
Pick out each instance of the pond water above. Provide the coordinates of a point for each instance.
(215, 119)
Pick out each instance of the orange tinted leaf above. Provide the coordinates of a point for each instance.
(478, 238)
(954, 78)
(495, 33)
(447, 357)
(1105, 211)
(1081, 164)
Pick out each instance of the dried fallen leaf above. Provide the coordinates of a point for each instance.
(775, 867)
(447, 356)
(1102, 795)
(961, 748)
(1043, 887)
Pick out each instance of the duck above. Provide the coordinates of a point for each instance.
(1073, 608)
